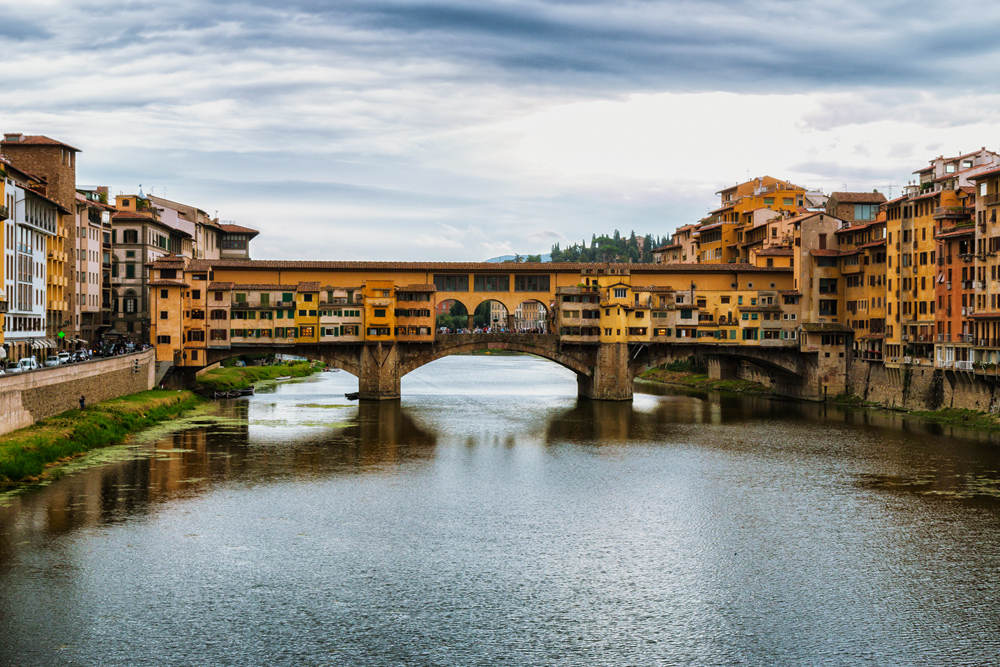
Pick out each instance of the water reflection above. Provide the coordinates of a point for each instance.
(492, 517)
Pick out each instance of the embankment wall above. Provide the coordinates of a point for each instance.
(28, 397)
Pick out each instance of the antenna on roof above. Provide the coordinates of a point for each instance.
(889, 186)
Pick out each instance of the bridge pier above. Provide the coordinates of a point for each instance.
(379, 378)
(722, 368)
(611, 380)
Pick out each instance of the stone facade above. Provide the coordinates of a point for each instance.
(27, 398)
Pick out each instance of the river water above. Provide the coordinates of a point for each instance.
(492, 518)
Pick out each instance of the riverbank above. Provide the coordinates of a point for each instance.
(241, 377)
(27, 455)
(699, 381)
(947, 416)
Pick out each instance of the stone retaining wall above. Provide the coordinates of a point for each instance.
(923, 387)
(26, 398)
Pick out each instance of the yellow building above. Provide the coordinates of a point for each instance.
(743, 208)
(379, 302)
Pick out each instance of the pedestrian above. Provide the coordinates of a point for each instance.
(83, 401)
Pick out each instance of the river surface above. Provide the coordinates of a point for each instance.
(492, 518)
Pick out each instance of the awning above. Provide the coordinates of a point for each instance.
(37, 344)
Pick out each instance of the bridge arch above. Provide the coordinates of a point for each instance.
(769, 360)
(414, 361)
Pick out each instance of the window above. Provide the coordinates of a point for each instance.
(620, 293)
(453, 283)
(196, 294)
(485, 283)
(164, 315)
(163, 293)
(130, 236)
(529, 283)
(163, 340)
(865, 211)
(379, 312)
(307, 297)
(768, 201)
(130, 270)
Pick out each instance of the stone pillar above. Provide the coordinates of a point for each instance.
(510, 322)
(722, 368)
(472, 323)
(611, 380)
(379, 378)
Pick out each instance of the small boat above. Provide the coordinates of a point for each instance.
(352, 396)
(283, 377)
(233, 393)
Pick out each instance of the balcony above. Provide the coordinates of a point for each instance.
(4, 212)
(992, 199)
(953, 212)
(963, 365)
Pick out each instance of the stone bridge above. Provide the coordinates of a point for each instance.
(604, 371)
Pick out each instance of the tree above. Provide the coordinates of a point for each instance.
(533, 258)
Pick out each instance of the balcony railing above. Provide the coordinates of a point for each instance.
(943, 212)
(963, 365)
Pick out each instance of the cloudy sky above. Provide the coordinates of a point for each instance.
(466, 129)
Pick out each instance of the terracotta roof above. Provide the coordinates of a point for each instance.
(775, 252)
(38, 140)
(133, 215)
(237, 229)
(984, 174)
(48, 199)
(216, 287)
(169, 259)
(667, 247)
(790, 292)
(985, 316)
(417, 288)
(953, 233)
(82, 199)
(872, 244)
(855, 228)
(308, 286)
(263, 286)
(858, 197)
(766, 308)
(824, 253)
(872, 337)
(167, 283)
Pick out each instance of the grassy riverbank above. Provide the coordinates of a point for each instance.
(241, 377)
(27, 454)
(700, 381)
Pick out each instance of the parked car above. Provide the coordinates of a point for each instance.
(64, 358)
(80, 355)
(26, 364)
(52, 361)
